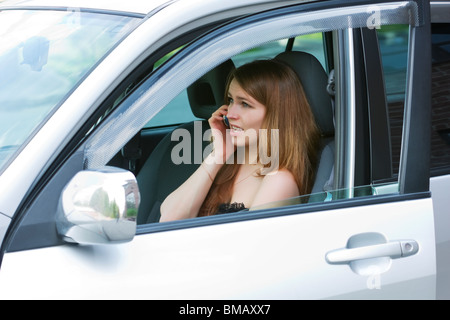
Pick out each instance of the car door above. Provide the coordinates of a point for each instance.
(372, 237)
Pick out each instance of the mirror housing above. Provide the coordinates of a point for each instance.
(99, 207)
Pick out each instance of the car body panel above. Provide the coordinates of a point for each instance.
(439, 187)
(232, 261)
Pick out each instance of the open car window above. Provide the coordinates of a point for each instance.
(163, 99)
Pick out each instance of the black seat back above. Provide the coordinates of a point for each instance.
(315, 81)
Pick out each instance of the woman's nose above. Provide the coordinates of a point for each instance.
(233, 113)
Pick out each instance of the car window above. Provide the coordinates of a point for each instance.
(178, 74)
(393, 42)
(174, 113)
(440, 116)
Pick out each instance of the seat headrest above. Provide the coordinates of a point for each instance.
(314, 80)
(207, 94)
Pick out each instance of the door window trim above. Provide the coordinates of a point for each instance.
(345, 110)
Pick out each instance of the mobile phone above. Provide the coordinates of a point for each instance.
(225, 121)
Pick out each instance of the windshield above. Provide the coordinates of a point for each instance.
(43, 56)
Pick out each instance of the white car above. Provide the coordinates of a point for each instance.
(91, 92)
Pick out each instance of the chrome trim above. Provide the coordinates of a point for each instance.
(345, 111)
(351, 116)
(130, 6)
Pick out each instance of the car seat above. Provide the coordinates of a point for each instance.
(315, 81)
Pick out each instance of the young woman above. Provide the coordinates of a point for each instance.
(268, 118)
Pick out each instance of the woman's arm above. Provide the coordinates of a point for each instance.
(186, 201)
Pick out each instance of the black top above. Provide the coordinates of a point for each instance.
(230, 207)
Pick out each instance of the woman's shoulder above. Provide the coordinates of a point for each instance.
(280, 181)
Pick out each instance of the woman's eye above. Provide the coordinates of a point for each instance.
(245, 105)
(230, 101)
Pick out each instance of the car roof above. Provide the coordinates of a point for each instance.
(128, 6)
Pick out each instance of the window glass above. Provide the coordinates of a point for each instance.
(266, 51)
(440, 116)
(176, 112)
(393, 42)
(311, 43)
(43, 56)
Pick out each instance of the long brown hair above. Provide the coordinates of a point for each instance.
(278, 88)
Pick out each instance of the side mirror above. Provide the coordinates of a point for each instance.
(99, 207)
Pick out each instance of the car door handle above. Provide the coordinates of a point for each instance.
(394, 249)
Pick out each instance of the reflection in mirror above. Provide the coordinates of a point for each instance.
(99, 207)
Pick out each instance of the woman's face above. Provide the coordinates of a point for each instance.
(245, 115)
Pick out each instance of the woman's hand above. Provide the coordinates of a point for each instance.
(223, 145)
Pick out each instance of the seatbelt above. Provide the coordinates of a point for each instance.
(331, 89)
(331, 84)
(132, 152)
